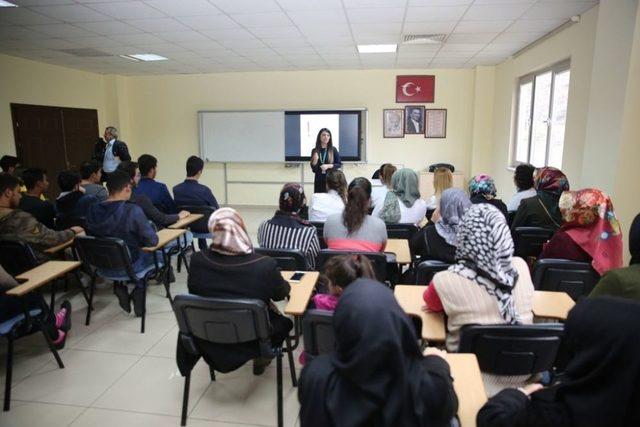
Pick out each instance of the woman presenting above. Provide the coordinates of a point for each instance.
(324, 157)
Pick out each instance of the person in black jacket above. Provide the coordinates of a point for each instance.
(36, 181)
(72, 203)
(482, 189)
(376, 376)
(600, 385)
(231, 269)
(323, 157)
(110, 152)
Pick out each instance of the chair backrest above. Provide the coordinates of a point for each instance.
(317, 331)
(378, 259)
(529, 240)
(513, 349)
(510, 216)
(401, 231)
(16, 257)
(224, 321)
(320, 232)
(287, 259)
(200, 226)
(104, 253)
(561, 275)
(427, 269)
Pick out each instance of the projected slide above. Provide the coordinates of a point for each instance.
(310, 125)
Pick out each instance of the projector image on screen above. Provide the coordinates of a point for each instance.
(302, 127)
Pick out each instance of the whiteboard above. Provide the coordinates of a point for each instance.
(242, 136)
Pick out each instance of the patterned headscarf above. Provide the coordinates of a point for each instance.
(292, 198)
(550, 183)
(404, 189)
(591, 222)
(484, 253)
(453, 204)
(484, 185)
(229, 233)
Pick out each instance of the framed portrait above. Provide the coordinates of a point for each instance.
(435, 123)
(414, 119)
(393, 123)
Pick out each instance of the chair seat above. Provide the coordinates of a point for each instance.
(8, 325)
(122, 276)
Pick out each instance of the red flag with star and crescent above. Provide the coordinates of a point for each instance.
(415, 88)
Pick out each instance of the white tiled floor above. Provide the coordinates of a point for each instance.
(115, 376)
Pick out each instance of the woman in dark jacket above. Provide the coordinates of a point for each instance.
(231, 269)
(482, 189)
(324, 157)
(600, 386)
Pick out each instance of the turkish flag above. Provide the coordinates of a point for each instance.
(415, 88)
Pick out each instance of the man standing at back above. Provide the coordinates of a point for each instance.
(154, 190)
(109, 152)
(191, 192)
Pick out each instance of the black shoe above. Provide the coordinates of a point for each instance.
(260, 365)
(66, 325)
(123, 297)
(137, 295)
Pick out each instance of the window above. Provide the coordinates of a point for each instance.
(540, 116)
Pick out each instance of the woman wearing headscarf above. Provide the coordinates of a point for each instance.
(403, 203)
(542, 210)
(487, 285)
(438, 241)
(624, 282)
(599, 387)
(376, 375)
(482, 189)
(231, 269)
(286, 230)
(590, 233)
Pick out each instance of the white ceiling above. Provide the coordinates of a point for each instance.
(205, 36)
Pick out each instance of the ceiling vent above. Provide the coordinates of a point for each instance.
(423, 38)
(86, 52)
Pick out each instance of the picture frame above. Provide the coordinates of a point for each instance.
(414, 120)
(435, 123)
(393, 123)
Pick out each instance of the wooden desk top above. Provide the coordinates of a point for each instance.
(300, 292)
(410, 299)
(184, 222)
(41, 275)
(552, 305)
(467, 382)
(400, 247)
(165, 236)
(60, 247)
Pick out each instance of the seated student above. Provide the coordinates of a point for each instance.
(191, 192)
(156, 191)
(116, 217)
(231, 269)
(402, 205)
(8, 164)
(36, 182)
(482, 189)
(590, 233)
(523, 179)
(91, 174)
(286, 230)
(542, 210)
(599, 387)
(354, 229)
(377, 375)
(438, 241)
(379, 193)
(56, 326)
(624, 282)
(442, 179)
(486, 286)
(72, 201)
(17, 225)
(331, 202)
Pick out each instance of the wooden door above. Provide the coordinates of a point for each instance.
(80, 128)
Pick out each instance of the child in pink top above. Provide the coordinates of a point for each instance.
(339, 272)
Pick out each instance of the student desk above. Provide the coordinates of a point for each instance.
(300, 292)
(410, 299)
(165, 236)
(186, 221)
(399, 247)
(41, 275)
(467, 382)
(552, 305)
(61, 247)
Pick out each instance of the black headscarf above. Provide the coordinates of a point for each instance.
(375, 377)
(634, 241)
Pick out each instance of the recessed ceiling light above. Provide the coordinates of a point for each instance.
(7, 4)
(377, 48)
(144, 57)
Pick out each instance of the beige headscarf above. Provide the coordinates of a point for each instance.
(229, 233)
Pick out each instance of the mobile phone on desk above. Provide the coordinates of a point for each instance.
(297, 276)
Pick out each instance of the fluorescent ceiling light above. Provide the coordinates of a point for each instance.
(377, 48)
(144, 57)
(7, 4)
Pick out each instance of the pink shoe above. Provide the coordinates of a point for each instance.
(60, 341)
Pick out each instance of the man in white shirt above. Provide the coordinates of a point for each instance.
(109, 152)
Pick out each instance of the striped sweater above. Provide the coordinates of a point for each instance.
(279, 233)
